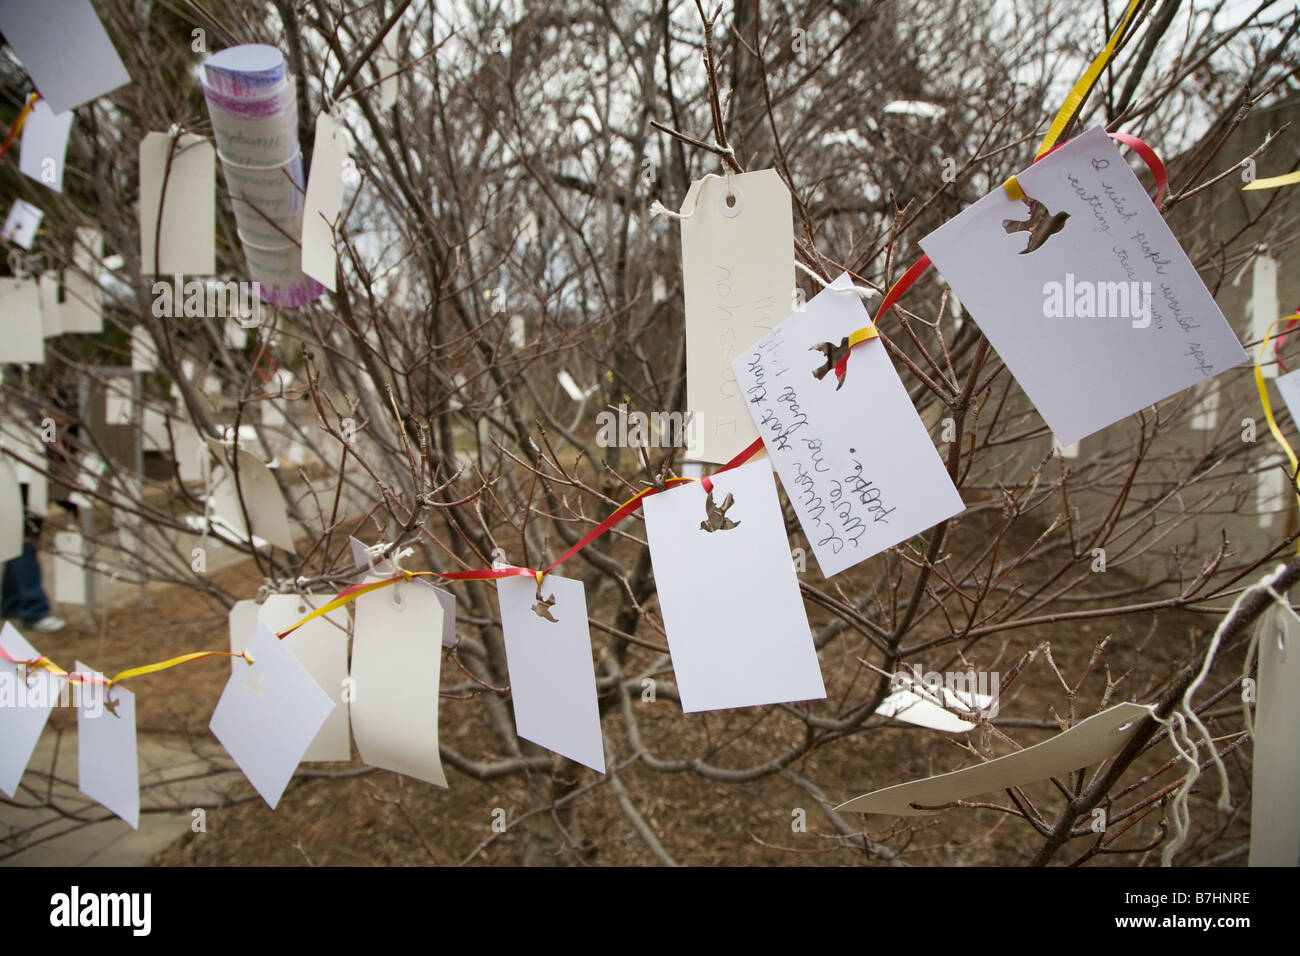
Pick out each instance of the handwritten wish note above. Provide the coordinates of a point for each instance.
(856, 463)
(1084, 291)
(730, 600)
(548, 653)
(738, 283)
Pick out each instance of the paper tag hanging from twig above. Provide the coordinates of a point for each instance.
(396, 663)
(324, 201)
(738, 283)
(728, 594)
(1275, 777)
(185, 240)
(548, 653)
(854, 457)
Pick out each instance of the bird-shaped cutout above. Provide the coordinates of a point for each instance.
(717, 517)
(1040, 225)
(543, 608)
(836, 356)
(110, 704)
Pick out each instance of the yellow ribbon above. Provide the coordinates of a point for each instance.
(1268, 407)
(1273, 182)
(1073, 101)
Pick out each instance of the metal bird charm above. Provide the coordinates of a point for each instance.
(717, 517)
(1039, 225)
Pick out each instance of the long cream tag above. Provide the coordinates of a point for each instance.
(738, 281)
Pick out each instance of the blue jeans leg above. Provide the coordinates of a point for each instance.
(24, 598)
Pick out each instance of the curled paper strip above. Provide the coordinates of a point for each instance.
(255, 125)
(1098, 738)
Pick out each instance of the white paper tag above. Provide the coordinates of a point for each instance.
(268, 715)
(320, 645)
(1088, 742)
(396, 667)
(69, 568)
(730, 600)
(1275, 775)
(1289, 386)
(11, 512)
(50, 324)
(1098, 319)
(20, 304)
(923, 709)
(25, 704)
(144, 353)
(261, 497)
(552, 679)
(64, 48)
(108, 770)
(854, 458)
(324, 201)
(738, 283)
(1264, 304)
(21, 224)
(45, 142)
(82, 308)
(187, 236)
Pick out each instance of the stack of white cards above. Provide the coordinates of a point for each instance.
(255, 124)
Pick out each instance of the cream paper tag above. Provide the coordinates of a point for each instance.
(738, 283)
(396, 668)
(1089, 742)
(187, 239)
(20, 304)
(324, 201)
(1275, 777)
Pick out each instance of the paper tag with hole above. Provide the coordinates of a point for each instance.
(738, 283)
(320, 645)
(1275, 775)
(324, 201)
(552, 680)
(1086, 744)
(1084, 291)
(854, 457)
(728, 594)
(180, 224)
(108, 769)
(396, 663)
(269, 714)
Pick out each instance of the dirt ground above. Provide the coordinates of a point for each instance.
(351, 815)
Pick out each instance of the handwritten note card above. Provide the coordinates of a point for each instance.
(856, 462)
(730, 600)
(738, 283)
(1087, 296)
